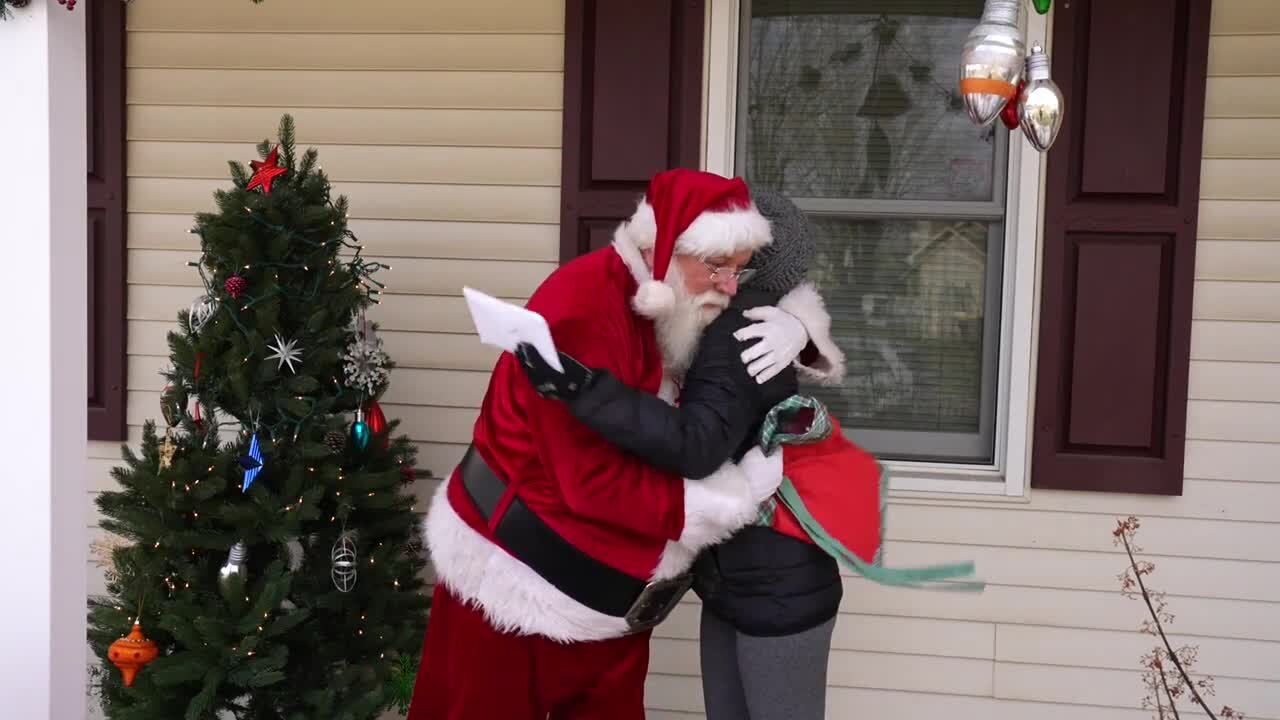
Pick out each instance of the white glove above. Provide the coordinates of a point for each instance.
(764, 473)
(782, 338)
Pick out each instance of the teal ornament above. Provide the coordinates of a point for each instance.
(360, 431)
(1041, 6)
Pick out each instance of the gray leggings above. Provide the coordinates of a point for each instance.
(764, 678)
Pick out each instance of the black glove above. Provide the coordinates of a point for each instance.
(547, 381)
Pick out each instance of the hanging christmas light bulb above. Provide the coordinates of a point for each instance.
(1041, 6)
(991, 62)
(378, 423)
(233, 573)
(1009, 115)
(360, 431)
(1041, 105)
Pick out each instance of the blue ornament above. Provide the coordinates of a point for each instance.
(360, 434)
(251, 462)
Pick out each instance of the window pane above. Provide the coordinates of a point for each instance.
(913, 308)
(858, 100)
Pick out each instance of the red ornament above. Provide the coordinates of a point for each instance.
(408, 474)
(131, 653)
(235, 286)
(1009, 115)
(196, 416)
(377, 422)
(266, 171)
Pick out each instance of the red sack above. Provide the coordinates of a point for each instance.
(834, 494)
(842, 485)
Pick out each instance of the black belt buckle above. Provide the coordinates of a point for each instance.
(656, 602)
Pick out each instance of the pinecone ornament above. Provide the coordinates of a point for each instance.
(236, 285)
(337, 441)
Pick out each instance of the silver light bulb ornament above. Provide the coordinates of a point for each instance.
(1041, 106)
(991, 62)
(234, 567)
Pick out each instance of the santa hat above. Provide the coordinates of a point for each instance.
(688, 212)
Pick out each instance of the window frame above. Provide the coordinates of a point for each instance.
(1007, 475)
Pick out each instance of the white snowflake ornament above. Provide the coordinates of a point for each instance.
(365, 361)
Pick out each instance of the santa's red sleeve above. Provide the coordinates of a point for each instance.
(597, 480)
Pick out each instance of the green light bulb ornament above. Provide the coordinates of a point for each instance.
(1041, 6)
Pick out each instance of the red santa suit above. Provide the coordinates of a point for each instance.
(546, 535)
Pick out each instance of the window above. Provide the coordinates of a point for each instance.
(850, 108)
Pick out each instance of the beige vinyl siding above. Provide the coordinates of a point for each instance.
(1052, 638)
(440, 121)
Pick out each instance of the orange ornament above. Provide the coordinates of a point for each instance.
(131, 653)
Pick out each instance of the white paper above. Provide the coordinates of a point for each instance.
(504, 325)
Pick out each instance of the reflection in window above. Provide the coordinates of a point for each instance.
(850, 109)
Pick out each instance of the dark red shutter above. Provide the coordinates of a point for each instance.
(632, 108)
(1119, 245)
(105, 31)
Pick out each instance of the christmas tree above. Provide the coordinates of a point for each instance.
(266, 558)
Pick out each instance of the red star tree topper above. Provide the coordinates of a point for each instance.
(266, 171)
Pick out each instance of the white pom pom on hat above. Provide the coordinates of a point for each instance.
(689, 212)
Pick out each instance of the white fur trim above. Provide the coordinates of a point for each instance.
(723, 232)
(654, 299)
(675, 561)
(626, 248)
(716, 506)
(806, 305)
(512, 596)
(669, 389)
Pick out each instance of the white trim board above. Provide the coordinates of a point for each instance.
(1008, 476)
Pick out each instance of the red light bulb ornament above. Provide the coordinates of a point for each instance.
(1009, 115)
(377, 422)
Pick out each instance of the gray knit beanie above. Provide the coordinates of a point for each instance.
(782, 264)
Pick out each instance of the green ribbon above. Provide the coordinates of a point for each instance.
(935, 577)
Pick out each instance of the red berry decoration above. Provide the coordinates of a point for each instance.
(408, 474)
(236, 285)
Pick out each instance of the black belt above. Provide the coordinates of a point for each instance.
(571, 571)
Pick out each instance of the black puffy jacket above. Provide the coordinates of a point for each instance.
(759, 581)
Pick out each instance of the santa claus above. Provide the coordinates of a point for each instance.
(555, 552)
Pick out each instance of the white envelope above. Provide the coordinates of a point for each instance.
(504, 325)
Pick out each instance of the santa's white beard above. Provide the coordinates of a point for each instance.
(680, 331)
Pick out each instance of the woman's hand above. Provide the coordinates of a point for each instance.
(782, 338)
(549, 382)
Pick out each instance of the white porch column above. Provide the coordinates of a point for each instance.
(43, 370)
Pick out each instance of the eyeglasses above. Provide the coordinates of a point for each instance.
(724, 274)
